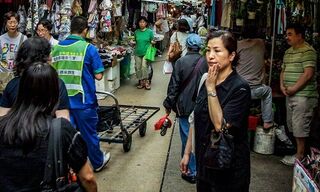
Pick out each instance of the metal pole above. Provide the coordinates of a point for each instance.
(273, 39)
(32, 17)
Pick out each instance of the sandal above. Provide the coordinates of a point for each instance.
(274, 125)
(147, 85)
(141, 84)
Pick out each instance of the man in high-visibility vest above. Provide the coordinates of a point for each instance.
(78, 64)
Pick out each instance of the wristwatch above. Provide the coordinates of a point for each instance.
(212, 94)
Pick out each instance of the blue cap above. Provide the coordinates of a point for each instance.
(194, 41)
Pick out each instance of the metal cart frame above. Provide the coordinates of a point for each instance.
(132, 118)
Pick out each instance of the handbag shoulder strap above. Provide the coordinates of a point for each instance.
(192, 74)
(177, 37)
(202, 80)
(21, 40)
(54, 163)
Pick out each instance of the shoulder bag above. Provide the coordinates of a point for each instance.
(55, 178)
(176, 50)
(186, 82)
(219, 151)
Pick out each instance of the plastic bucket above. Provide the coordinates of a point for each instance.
(264, 141)
(252, 122)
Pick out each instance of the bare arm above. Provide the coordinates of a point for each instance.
(3, 111)
(302, 81)
(186, 156)
(214, 107)
(87, 178)
(282, 86)
(98, 76)
(64, 113)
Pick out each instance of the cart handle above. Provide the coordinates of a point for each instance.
(109, 94)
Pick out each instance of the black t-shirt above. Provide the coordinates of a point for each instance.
(11, 92)
(21, 171)
(234, 98)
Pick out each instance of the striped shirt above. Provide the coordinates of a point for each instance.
(294, 62)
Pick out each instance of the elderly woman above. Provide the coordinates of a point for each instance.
(11, 40)
(224, 97)
(34, 49)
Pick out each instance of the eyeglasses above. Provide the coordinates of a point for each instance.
(12, 22)
(42, 30)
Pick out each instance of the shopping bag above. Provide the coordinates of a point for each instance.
(151, 53)
(5, 76)
(167, 67)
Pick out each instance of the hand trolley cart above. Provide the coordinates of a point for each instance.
(117, 123)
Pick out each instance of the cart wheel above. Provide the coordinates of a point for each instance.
(127, 143)
(143, 129)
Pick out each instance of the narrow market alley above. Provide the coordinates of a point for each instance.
(152, 163)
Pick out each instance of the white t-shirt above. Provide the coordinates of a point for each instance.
(53, 42)
(9, 48)
(182, 38)
(165, 26)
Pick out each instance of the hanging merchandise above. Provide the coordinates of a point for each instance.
(93, 19)
(23, 18)
(76, 8)
(33, 17)
(144, 10)
(213, 13)
(43, 11)
(269, 16)
(152, 7)
(65, 13)
(105, 21)
(117, 8)
(55, 17)
(226, 14)
(282, 19)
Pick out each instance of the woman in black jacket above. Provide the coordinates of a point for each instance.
(224, 97)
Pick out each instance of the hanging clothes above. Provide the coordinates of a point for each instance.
(213, 13)
(282, 19)
(219, 9)
(226, 14)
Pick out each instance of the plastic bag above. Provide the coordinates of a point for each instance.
(167, 67)
(151, 53)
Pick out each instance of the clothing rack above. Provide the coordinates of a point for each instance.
(155, 1)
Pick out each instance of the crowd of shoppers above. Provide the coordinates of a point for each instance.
(43, 89)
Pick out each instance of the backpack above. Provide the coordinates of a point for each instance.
(176, 51)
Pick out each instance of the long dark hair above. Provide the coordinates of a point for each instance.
(34, 49)
(36, 101)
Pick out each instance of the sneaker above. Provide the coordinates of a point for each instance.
(189, 178)
(289, 160)
(282, 136)
(106, 159)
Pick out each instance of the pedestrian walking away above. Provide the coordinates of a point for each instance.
(77, 57)
(180, 94)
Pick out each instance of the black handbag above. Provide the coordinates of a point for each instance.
(220, 150)
(57, 177)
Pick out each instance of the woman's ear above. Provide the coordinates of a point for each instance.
(232, 56)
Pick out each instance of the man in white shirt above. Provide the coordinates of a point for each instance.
(44, 30)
